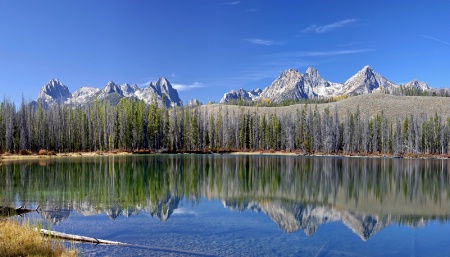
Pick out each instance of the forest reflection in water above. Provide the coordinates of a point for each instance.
(366, 194)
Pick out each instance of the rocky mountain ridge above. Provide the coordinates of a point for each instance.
(292, 84)
(160, 92)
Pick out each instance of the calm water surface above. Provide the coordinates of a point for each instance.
(182, 205)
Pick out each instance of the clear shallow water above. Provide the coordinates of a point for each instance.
(240, 205)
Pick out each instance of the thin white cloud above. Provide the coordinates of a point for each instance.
(436, 39)
(353, 44)
(233, 3)
(309, 29)
(173, 75)
(329, 53)
(263, 42)
(329, 27)
(185, 87)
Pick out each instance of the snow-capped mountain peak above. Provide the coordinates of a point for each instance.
(312, 72)
(111, 87)
(163, 88)
(366, 81)
(54, 92)
(292, 84)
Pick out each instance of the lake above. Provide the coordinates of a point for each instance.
(230, 205)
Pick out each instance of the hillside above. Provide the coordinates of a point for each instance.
(369, 104)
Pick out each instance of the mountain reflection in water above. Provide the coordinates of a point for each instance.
(366, 194)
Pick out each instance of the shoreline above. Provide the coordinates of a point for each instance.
(19, 157)
(35, 156)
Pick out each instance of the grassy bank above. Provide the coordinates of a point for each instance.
(22, 240)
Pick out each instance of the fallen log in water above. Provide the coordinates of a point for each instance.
(83, 239)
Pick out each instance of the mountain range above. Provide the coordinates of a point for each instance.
(161, 92)
(292, 84)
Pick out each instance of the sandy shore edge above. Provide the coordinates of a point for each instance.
(14, 157)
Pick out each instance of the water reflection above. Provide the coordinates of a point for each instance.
(295, 192)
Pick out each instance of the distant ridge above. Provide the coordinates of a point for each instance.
(292, 84)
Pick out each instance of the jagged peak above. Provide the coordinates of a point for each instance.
(312, 71)
(111, 87)
(54, 82)
(110, 83)
(54, 92)
(367, 69)
(162, 83)
(288, 72)
(163, 80)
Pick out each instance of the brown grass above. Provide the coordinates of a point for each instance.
(42, 152)
(22, 240)
(25, 152)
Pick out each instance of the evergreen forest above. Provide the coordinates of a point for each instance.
(134, 125)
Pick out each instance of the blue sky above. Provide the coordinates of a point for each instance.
(209, 47)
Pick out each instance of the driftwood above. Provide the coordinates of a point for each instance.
(6, 211)
(83, 239)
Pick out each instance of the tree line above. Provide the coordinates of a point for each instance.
(403, 90)
(134, 125)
